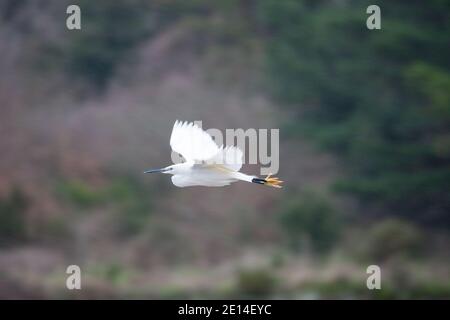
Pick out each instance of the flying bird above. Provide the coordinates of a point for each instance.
(206, 164)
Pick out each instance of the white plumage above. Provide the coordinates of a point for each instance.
(191, 142)
(206, 163)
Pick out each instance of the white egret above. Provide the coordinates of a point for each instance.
(206, 163)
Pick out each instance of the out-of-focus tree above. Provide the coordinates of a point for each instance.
(12, 218)
(378, 98)
(110, 29)
(309, 220)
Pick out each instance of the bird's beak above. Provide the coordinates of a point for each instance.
(156, 170)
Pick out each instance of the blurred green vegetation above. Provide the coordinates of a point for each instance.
(379, 99)
(256, 283)
(391, 238)
(129, 197)
(12, 218)
(113, 273)
(135, 204)
(310, 219)
(80, 194)
(345, 288)
(110, 29)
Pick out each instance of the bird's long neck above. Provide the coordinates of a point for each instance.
(181, 168)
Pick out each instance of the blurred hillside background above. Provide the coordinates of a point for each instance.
(364, 118)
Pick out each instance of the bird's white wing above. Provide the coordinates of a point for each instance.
(191, 142)
(229, 157)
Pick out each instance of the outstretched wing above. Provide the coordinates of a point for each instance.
(230, 157)
(191, 142)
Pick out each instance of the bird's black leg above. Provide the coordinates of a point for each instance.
(268, 181)
(258, 181)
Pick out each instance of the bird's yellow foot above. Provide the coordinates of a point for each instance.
(273, 181)
(268, 181)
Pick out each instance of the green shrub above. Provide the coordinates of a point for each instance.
(126, 195)
(256, 283)
(55, 229)
(392, 238)
(311, 218)
(12, 217)
(79, 193)
(371, 97)
(431, 290)
(346, 288)
(134, 203)
(110, 29)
